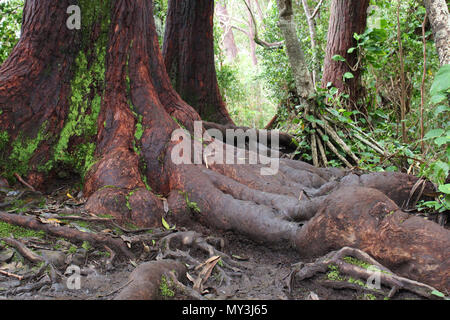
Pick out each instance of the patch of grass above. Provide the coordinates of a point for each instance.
(7, 229)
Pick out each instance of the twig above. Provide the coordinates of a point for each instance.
(26, 184)
(99, 240)
(12, 275)
(325, 125)
(23, 250)
(335, 151)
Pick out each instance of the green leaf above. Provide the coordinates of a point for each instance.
(439, 109)
(445, 188)
(441, 140)
(438, 293)
(165, 224)
(433, 134)
(351, 50)
(338, 57)
(348, 75)
(441, 82)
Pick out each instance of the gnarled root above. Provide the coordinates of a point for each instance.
(171, 245)
(362, 266)
(145, 281)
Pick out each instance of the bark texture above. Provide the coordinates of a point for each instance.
(302, 76)
(346, 19)
(189, 58)
(440, 23)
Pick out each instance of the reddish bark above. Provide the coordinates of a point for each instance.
(34, 79)
(189, 57)
(268, 209)
(347, 18)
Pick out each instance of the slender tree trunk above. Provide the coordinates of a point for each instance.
(347, 18)
(189, 58)
(302, 76)
(440, 23)
(110, 113)
(228, 38)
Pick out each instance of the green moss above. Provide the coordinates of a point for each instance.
(334, 274)
(127, 197)
(87, 88)
(22, 150)
(164, 288)
(357, 262)
(356, 281)
(4, 140)
(7, 229)
(86, 245)
(72, 249)
(369, 296)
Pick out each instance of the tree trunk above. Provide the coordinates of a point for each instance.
(110, 113)
(228, 36)
(346, 19)
(296, 56)
(189, 57)
(440, 23)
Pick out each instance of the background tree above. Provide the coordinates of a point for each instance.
(440, 22)
(189, 58)
(346, 19)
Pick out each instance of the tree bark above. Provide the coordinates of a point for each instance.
(346, 19)
(440, 23)
(114, 63)
(189, 57)
(228, 38)
(296, 56)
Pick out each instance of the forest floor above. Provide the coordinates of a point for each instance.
(264, 275)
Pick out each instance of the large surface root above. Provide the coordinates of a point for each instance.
(366, 219)
(360, 266)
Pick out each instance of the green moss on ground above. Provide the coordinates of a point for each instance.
(7, 229)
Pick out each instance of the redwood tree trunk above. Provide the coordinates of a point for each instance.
(189, 57)
(110, 112)
(347, 18)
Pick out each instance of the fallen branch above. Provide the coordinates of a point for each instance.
(97, 240)
(12, 275)
(23, 250)
(26, 184)
(387, 277)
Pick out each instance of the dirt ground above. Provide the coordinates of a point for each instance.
(264, 273)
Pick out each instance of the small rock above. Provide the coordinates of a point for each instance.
(6, 255)
(57, 258)
(79, 257)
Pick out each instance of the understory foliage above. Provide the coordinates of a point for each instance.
(10, 22)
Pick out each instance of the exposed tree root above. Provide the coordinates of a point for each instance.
(97, 240)
(145, 280)
(23, 250)
(385, 276)
(193, 241)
